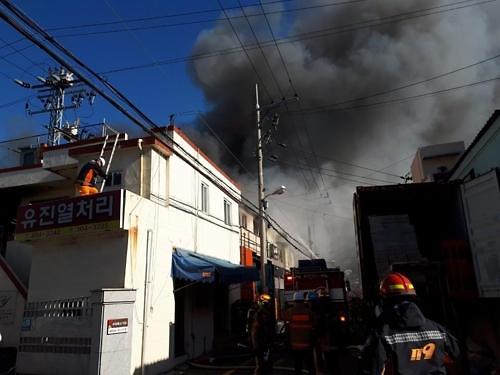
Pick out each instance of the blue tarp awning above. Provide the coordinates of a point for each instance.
(192, 266)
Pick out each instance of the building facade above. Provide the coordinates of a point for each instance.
(434, 162)
(100, 267)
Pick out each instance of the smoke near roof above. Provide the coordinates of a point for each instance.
(361, 48)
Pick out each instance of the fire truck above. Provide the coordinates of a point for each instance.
(313, 275)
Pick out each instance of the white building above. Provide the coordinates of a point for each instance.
(434, 162)
(101, 293)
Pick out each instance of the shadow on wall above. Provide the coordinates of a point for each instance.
(167, 364)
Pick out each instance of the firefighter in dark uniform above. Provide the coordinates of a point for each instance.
(86, 182)
(405, 341)
(261, 330)
(301, 334)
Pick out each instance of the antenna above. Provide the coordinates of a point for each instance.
(52, 91)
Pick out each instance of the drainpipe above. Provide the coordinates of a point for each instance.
(145, 313)
(141, 172)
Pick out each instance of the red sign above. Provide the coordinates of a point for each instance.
(67, 216)
(117, 326)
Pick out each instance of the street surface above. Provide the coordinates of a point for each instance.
(342, 363)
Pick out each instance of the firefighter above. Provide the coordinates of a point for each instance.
(323, 329)
(405, 341)
(301, 334)
(86, 182)
(261, 330)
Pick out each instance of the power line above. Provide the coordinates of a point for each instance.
(139, 42)
(8, 104)
(278, 86)
(301, 36)
(259, 79)
(191, 13)
(261, 51)
(17, 66)
(395, 163)
(319, 169)
(292, 86)
(380, 93)
(205, 122)
(312, 210)
(22, 54)
(189, 159)
(329, 175)
(353, 164)
(43, 134)
(399, 100)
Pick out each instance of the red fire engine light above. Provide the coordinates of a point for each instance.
(289, 278)
(342, 318)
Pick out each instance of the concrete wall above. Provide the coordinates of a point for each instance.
(70, 267)
(211, 235)
(171, 227)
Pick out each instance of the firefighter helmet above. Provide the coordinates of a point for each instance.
(396, 284)
(264, 298)
(101, 161)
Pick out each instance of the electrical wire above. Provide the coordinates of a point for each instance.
(131, 20)
(329, 175)
(17, 66)
(319, 169)
(9, 104)
(204, 121)
(193, 162)
(261, 50)
(399, 100)
(292, 86)
(44, 134)
(272, 74)
(139, 42)
(312, 210)
(352, 164)
(405, 86)
(22, 54)
(301, 36)
(257, 75)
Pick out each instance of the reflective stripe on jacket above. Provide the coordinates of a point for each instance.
(407, 343)
(301, 327)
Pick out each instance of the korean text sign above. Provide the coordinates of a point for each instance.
(67, 216)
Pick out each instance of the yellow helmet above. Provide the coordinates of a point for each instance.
(264, 298)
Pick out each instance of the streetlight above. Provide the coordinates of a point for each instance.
(263, 239)
(281, 190)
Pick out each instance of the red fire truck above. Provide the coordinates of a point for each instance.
(314, 276)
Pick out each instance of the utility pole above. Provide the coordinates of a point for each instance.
(262, 139)
(262, 221)
(52, 93)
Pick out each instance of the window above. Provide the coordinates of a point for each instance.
(256, 226)
(272, 251)
(244, 221)
(115, 179)
(204, 197)
(227, 212)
